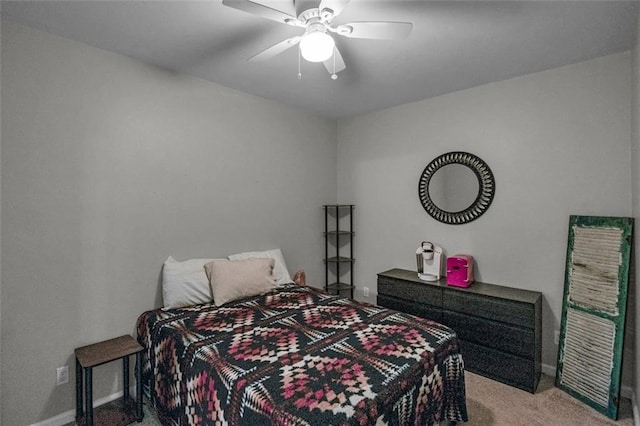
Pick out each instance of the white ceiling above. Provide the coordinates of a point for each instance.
(454, 45)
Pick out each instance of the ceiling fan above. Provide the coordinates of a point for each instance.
(316, 17)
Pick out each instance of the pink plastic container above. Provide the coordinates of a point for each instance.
(460, 270)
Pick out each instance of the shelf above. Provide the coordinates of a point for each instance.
(340, 259)
(339, 233)
(338, 247)
(339, 286)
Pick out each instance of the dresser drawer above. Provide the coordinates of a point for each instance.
(422, 310)
(510, 312)
(503, 337)
(512, 370)
(413, 292)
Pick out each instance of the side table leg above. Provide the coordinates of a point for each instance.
(139, 413)
(88, 379)
(125, 379)
(79, 402)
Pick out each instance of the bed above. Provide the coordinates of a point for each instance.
(298, 356)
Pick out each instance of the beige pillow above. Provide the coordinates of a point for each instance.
(235, 279)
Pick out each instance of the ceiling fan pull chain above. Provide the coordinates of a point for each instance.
(334, 76)
(299, 72)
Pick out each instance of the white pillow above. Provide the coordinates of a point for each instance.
(280, 271)
(185, 283)
(235, 279)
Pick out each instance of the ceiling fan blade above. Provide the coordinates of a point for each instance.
(339, 62)
(276, 49)
(376, 30)
(260, 10)
(336, 6)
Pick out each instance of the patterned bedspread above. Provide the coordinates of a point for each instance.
(298, 356)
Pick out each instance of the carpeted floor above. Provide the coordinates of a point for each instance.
(493, 403)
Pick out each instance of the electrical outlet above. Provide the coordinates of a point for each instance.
(556, 337)
(365, 291)
(62, 375)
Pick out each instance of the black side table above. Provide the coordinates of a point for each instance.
(100, 353)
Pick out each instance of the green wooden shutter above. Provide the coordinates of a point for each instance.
(593, 310)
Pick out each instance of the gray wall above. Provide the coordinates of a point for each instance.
(109, 166)
(0, 223)
(635, 193)
(100, 153)
(557, 142)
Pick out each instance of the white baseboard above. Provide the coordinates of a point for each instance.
(70, 416)
(549, 370)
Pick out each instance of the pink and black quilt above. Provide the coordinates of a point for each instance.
(299, 356)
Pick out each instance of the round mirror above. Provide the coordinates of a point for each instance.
(453, 187)
(456, 188)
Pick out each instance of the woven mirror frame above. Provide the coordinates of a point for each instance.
(486, 188)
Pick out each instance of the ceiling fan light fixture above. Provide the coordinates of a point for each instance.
(316, 45)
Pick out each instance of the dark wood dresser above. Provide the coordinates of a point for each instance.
(499, 327)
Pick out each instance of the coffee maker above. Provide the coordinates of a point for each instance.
(429, 261)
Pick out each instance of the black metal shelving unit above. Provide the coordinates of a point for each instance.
(335, 260)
